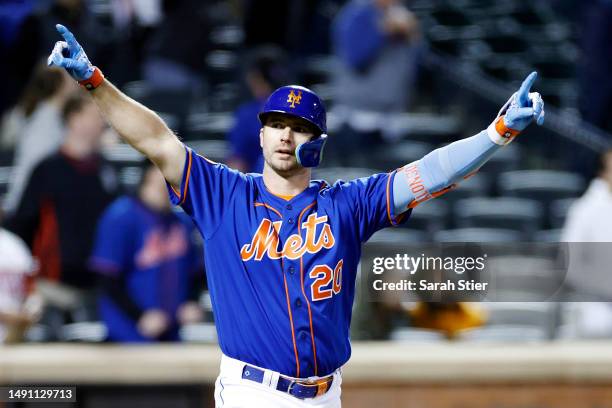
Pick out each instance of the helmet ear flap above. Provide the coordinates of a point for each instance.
(310, 154)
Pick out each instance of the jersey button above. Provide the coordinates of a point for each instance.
(290, 220)
(291, 269)
(298, 303)
(289, 207)
(303, 335)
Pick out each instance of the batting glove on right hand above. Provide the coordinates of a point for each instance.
(522, 108)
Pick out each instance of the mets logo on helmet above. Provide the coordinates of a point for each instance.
(293, 98)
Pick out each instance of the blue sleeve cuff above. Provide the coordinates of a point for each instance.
(178, 197)
(393, 218)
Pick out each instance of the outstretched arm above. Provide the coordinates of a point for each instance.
(136, 124)
(441, 170)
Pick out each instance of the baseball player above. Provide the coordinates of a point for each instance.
(281, 249)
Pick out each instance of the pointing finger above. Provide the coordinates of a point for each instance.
(73, 44)
(523, 91)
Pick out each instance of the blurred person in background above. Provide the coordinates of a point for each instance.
(20, 306)
(58, 212)
(265, 72)
(133, 22)
(590, 217)
(595, 63)
(149, 265)
(34, 128)
(588, 229)
(12, 15)
(34, 35)
(448, 318)
(299, 26)
(375, 42)
(172, 64)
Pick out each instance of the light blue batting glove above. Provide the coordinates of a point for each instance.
(70, 55)
(522, 108)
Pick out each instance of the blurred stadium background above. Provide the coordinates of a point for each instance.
(190, 61)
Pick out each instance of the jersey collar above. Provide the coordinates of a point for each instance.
(300, 200)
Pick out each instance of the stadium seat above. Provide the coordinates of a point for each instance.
(333, 174)
(506, 44)
(399, 154)
(215, 150)
(91, 332)
(550, 235)
(475, 186)
(537, 314)
(558, 211)
(519, 278)
(198, 333)
(206, 304)
(451, 17)
(122, 153)
(172, 104)
(206, 125)
(503, 212)
(316, 69)
(225, 96)
(38, 333)
(130, 177)
(429, 217)
(222, 66)
(542, 185)
(506, 159)
(413, 335)
(477, 235)
(504, 334)
(5, 177)
(228, 37)
(398, 236)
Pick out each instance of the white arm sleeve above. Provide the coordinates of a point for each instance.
(440, 170)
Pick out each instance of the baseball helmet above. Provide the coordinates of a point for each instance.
(303, 103)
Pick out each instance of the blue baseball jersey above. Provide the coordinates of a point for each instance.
(281, 274)
(154, 255)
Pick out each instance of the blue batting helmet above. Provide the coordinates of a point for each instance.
(303, 103)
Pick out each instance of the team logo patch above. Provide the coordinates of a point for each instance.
(293, 99)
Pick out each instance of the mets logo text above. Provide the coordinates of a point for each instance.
(265, 240)
(293, 98)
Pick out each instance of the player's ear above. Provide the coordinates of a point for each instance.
(261, 137)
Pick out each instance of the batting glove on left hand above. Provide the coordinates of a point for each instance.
(522, 108)
(70, 55)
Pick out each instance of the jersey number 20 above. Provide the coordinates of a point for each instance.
(327, 282)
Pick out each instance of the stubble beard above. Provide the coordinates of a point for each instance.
(285, 168)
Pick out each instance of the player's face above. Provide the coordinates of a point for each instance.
(279, 138)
